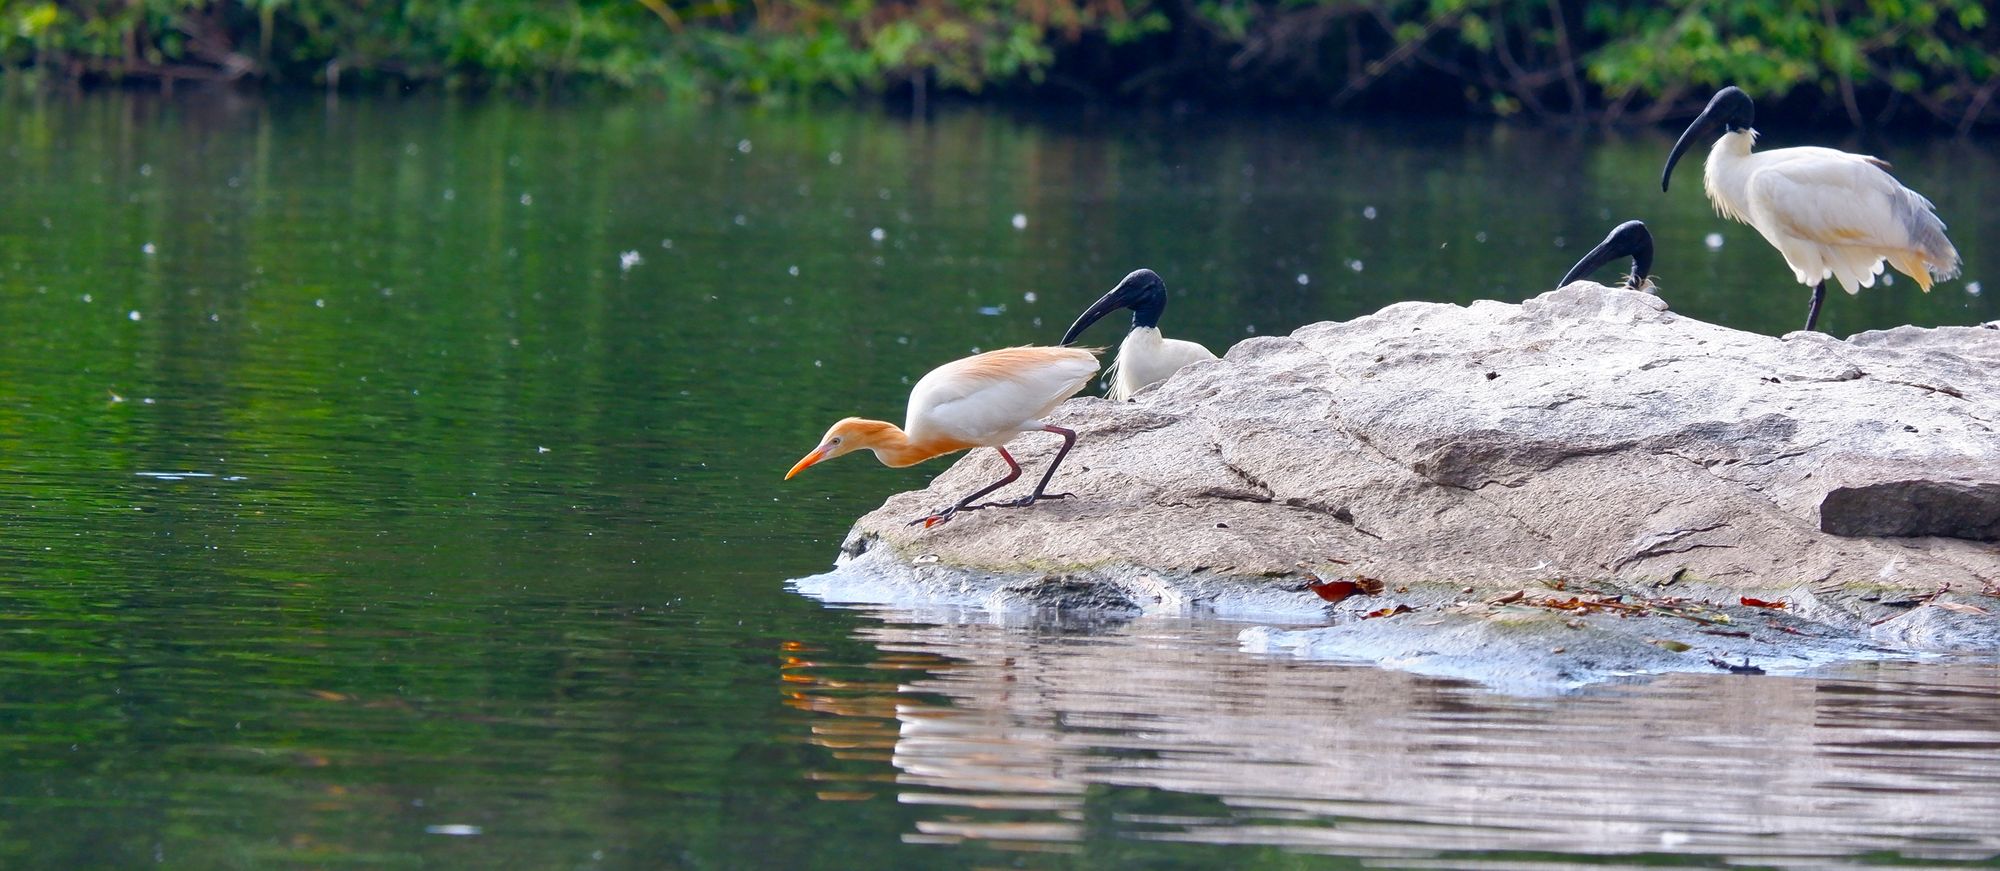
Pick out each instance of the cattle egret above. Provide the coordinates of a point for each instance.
(1830, 213)
(1629, 239)
(984, 400)
(1144, 358)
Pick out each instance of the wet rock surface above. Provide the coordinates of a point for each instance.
(1585, 442)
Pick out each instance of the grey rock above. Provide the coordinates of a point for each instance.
(1915, 508)
(1588, 435)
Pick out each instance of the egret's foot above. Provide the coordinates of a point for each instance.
(1026, 501)
(945, 516)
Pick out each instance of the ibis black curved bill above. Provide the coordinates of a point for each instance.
(1729, 110)
(1142, 291)
(1630, 239)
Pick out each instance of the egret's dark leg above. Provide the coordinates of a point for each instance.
(1819, 296)
(1041, 490)
(1013, 472)
(1069, 441)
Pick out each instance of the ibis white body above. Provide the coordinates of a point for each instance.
(1146, 358)
(1830, 213)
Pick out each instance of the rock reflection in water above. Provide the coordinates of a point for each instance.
(1038, 736)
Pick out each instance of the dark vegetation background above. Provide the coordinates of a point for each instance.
(1865, 62)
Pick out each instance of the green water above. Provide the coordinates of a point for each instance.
(362, 508)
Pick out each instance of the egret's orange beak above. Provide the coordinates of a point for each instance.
(817, 455)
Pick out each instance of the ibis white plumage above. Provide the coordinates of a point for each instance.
(1833, 215)
(1145, 357)
(1630, 239)
(985, 400)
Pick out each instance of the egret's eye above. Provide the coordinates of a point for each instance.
(834, 441)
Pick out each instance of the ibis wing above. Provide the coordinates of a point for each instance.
(1856, 212)
(985, 398)
(1834, 199)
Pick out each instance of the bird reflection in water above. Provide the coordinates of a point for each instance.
(1162, 731)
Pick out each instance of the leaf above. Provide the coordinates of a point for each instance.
(1760, 603)
(1386, 612)
(1368, 585)
(1670, 644)
(1961, 607)
(1333, 591)
(1510, 598)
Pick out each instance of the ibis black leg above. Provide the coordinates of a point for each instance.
(1819, 296)
(1041, 489)
(1013, 473)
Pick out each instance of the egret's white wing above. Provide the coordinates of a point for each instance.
(987, 398)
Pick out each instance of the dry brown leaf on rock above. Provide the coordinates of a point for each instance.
(1332, 591)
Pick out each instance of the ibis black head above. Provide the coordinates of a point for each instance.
(1728, 111)
(1629, 239)
(1143, 292)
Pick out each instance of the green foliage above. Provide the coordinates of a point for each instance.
(1937, 55)
(712, 46)
(1540, 57)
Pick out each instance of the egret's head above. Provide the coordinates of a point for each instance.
(847, 436)
(1142, 291)
(1729, 111)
